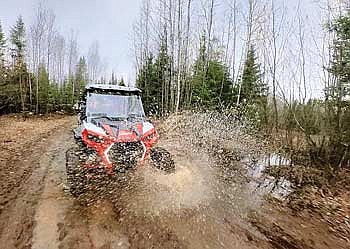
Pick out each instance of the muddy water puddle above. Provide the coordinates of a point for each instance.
(263, 184)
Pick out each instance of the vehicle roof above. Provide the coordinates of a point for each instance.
(112, 87)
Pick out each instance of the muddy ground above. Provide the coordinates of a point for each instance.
(207, 203)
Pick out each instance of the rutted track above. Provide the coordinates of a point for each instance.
(197, 207)
(27, 154)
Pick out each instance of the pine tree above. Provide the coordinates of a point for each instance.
(219, 83)
(252, 86)
(146, 81)
(121, 82)
(254, 91)
(81, 76)
(18, 39)
(152, 80)
(68, 99)
(338, 93)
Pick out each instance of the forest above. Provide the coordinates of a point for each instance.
(263, 61)
(42, 71)
(280, 68)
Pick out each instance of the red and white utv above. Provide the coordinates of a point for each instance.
(113, 136)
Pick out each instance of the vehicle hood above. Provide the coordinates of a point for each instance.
(121, 129)
(113, 128)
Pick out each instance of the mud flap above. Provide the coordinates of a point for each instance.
(162, 160)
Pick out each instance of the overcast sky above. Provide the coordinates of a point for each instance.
(107, 21)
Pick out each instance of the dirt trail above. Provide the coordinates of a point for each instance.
(24, 163)
(193, 208)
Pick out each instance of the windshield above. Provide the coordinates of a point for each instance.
(113, 106)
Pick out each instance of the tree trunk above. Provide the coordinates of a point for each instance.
(21, 90)
(37, 93)
(248, 41)
(274, 65)
(178, 86)
(185, 64)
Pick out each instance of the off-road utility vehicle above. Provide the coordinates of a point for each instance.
(113, 136)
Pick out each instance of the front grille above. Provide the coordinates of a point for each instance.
(125, 155)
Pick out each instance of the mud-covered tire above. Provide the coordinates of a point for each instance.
(162, 160)
(76, 177)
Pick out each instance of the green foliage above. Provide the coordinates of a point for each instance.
(148, 82)
(152, 80)
(212, 86)
(81, 76)
(310, 116)
(17, 88)
(43, 89)
(200, 91)
(68, 95)
(340, 67)
(338, 93)
(9, 94)
(4, 75)
(51, 96)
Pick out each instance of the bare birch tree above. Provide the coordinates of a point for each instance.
(250, 22)
(58, 54)
(301, 35)
(50, 36)
(72, 53)
(274, 63)
(186, 51)
(72, 59)
(179, 47)
(94, 62)
(37, 35)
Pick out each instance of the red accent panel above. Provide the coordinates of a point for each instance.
(99, 147)
(149, 139)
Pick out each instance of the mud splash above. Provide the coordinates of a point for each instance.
(189, 187)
